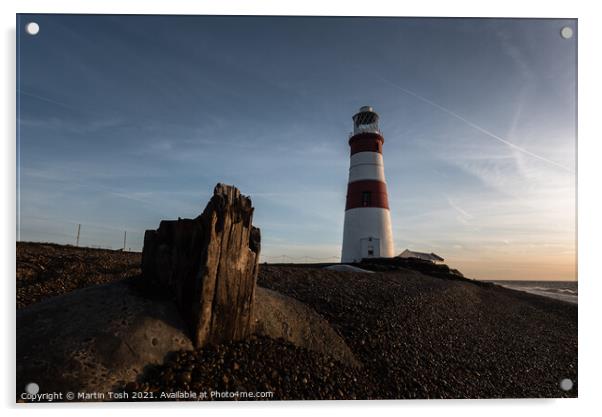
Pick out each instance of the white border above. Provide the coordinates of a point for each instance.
(589, 188)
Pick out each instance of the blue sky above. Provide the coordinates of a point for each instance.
(127, 120)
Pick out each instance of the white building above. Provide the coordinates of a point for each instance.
(421, 255)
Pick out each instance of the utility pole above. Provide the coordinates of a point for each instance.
(79, 226)
(124, 237)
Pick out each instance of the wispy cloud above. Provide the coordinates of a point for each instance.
(509, 46)
(72, 126)
(46, 99)
(463, 216)
(476, 126)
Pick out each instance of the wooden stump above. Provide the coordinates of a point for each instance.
(210, 265)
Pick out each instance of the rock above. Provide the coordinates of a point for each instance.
(184, 377)
(131, 386)
(93, 338)
(279, 316)
(210, 265)
(346, 268)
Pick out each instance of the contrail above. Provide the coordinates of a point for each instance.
(477, 127)
(44, 99)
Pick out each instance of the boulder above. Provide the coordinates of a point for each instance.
(209, 264)
(95, 339)
(91, 339)
(279, 316)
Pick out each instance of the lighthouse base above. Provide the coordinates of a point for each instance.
(367, 234)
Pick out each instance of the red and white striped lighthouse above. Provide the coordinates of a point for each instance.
(367, 230)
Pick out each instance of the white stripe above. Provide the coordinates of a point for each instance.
(367, 166)
(366, 158)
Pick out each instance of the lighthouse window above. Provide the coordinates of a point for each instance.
(366, 198)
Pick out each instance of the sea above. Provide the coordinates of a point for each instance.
(559, 290)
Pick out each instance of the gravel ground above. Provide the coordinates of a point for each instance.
(417, 336)
(45, 269)
(257, 365)
(423, 337)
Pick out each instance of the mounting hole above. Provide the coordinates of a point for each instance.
(32, 28)
(32, 388)
(566, 384)
(566, 32)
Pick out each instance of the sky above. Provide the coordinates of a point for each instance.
(127, 120)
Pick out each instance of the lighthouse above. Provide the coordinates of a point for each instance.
(367, 230)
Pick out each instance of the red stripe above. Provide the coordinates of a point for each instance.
(366, 142)
(367, 193)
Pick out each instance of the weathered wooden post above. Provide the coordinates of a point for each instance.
(210, 265)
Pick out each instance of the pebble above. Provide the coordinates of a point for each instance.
(418, 336)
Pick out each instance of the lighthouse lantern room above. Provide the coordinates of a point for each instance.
(367, 229)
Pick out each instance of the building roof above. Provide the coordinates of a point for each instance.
(421, 255)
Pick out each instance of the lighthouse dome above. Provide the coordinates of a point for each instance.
(365, 121)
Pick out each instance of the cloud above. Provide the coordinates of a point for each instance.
(464, 216)
(516, 55)
(477, 127)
